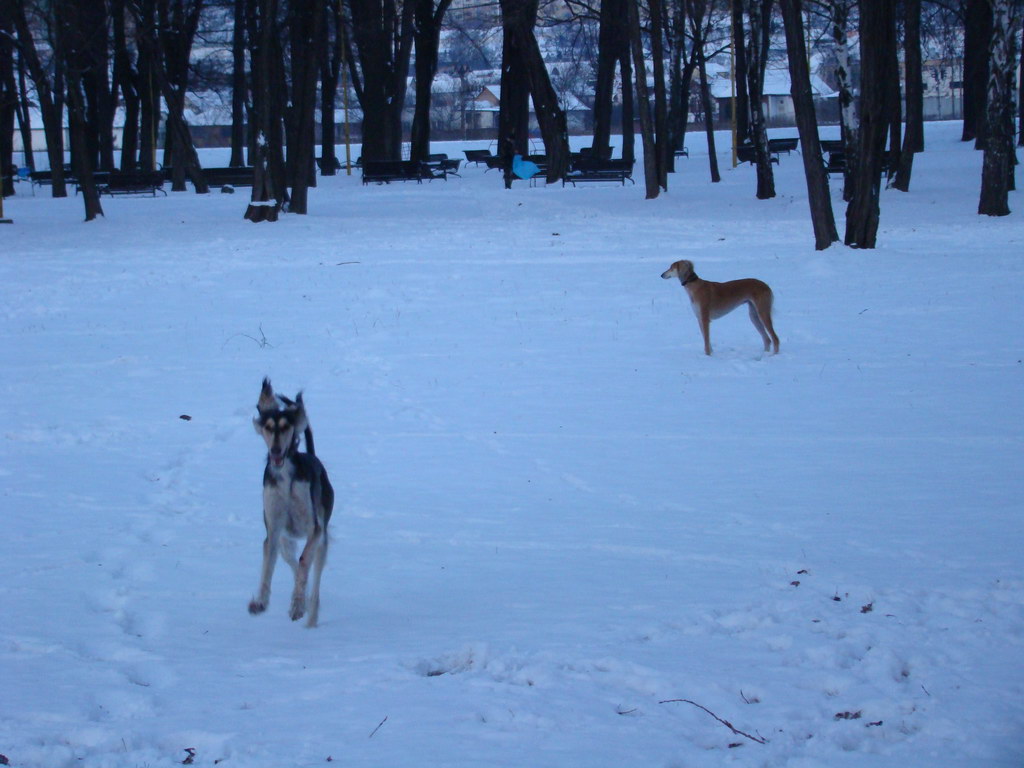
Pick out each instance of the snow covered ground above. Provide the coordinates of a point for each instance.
(560, 527)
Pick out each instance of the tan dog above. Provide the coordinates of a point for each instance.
(713, 300)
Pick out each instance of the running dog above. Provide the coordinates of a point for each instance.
(713, 300)
(297, 502)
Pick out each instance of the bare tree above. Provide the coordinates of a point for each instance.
(913, 139)
(818, 194)
(49, 84)
(382, 31)
(651, 172)
(700, 28)
(75, 45)
(997, 167)
(759, 15)
(877, 39)
(428, 40)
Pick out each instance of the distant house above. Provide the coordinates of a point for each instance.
(487, 103)
(776, 98)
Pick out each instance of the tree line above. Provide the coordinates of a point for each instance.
(85, 59)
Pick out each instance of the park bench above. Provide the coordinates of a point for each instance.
(129, 183)
(782, 145)
(45, 178)
(386, 171)
(832, 145)
(594, 169)
(682, 152)
(229, 177)
(441, 166)
(477, 156)
(745, 153)
(837, 162)
(321, 162)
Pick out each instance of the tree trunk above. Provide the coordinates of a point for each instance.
(628, 123)
(709, 118)
(126, 77)
(239, 87)
(661, 132)
(612, 39)
(71, 41)
(514, 108)
(742, 105)
(913, 139)
(524, 72)
(8, 106)
(977, 42)
(186, 159)
(651, 176)
(49, 93)
(305, 38)
(818, 193)
(428, 41)
(266, 199)
(876, 43)
(384, 39)
(997, 166)
(849, 125)
(25, 115)
(759, 12)
(333, 35)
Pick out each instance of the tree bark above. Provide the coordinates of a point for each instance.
(742, 116)
(185, 158)
(612, 40)
(913, 138)
(49, 92)
(759, 12)
(72, 42)
(333, 35)
(876, 43)
(651, 174)
(661, 132)
(266, 198)
(849, 125)
(8, 105)
(383, 35)
(239, 87)
(818, 194)
(306, 16)
(699, 32)
(977, 42)
(428, 41)
(997, 166)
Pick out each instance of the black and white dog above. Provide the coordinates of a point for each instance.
(297, 502)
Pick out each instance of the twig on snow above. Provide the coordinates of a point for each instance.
(378, 727)
(726, 723)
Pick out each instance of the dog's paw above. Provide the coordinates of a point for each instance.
(257, 607)
(298, 609)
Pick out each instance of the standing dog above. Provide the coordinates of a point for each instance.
(713, 300)
(297, 502)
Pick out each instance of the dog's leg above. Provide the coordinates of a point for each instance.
(302, 574)
(270, 544)
(764, 314)
(319, 559)
(704, 318)
(756, 320)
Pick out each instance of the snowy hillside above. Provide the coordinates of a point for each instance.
(563, 536)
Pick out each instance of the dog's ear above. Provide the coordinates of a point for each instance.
(266, 401)
(301, 422)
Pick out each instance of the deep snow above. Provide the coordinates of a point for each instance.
(554, 512)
